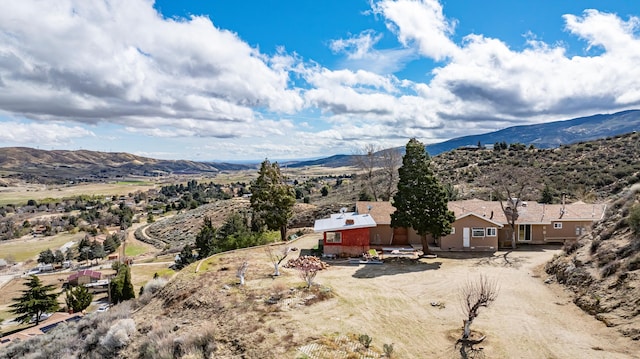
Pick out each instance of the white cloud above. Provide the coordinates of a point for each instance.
(119, 60)
(356, 47)
(422, 22)
(41, 134)
(119, 63)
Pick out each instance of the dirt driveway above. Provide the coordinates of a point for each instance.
(392, 304)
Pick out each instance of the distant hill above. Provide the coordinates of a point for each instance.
(544, 135)
(551, 134)
(333, 161)
(58, 166)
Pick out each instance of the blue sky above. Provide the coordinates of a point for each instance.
(246, 80)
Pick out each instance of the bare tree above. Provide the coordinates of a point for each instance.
(367, 161)
(242, 270)
(511, 185)
(390, 160)
(277, 257)
(307, 267)
(379, 170)
(474, 295)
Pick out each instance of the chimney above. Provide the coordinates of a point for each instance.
(349, 222)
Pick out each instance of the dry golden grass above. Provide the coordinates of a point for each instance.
(20, 195)
(391, 303)
(30, 247)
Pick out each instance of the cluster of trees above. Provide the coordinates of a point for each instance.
(48, 257)
(272, 201)
(91, 249)
(121, 287)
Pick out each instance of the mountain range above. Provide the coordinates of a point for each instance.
(61, 166)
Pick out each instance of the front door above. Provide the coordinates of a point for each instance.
(466, 236)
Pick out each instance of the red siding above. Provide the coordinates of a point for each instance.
(354, 242)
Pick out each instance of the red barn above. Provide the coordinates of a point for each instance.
(346, 233)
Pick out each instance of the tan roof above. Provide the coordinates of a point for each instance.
(380, 211)
(530, 212)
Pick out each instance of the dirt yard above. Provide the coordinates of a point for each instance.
(392, 304)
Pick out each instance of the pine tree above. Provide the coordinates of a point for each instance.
(121, 286)
(272, 199)
(421, 202)
(35, 301)
(78, 298)
(206, 239)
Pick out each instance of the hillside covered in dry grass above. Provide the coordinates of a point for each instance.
(586, 171)
(603, 267)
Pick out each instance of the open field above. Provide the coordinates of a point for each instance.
(29, 247)
(20, 195)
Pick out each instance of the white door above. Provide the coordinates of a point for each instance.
(466, 237)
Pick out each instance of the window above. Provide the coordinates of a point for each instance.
(557, 225)
(334, 237)
(453, 230)
(477, 232)
(580, 230)
(492, 231)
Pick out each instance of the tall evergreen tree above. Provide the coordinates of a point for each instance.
(206, 239)
(121, 286)
(272, 199)
(421, 201)
(78, 298)
(35, 301)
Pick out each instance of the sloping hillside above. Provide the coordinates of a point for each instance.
(184, 227)
(585, 171)
(603, 268)
(59, 166)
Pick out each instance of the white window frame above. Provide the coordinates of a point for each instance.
(491, 231)
(557, 225)
(453, 230)
(334, 237)
(477, 230)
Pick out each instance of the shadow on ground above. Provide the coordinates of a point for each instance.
(391, 267)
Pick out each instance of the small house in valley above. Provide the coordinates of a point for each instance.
(84, 277)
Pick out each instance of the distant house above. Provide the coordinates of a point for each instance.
(346, 233)
(38, 230)
(481, 225)
(84, 277)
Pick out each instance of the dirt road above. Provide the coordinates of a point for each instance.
(391, 303)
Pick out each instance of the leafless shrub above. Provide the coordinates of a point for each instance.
(277, 257)
(154, 285)
(474, 295)
(118, 335)
(307, 267)
(570, 246)
(610, 269)
(242, 270)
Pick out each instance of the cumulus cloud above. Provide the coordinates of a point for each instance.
(422, 22)
(42, 134)
(119, 61)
